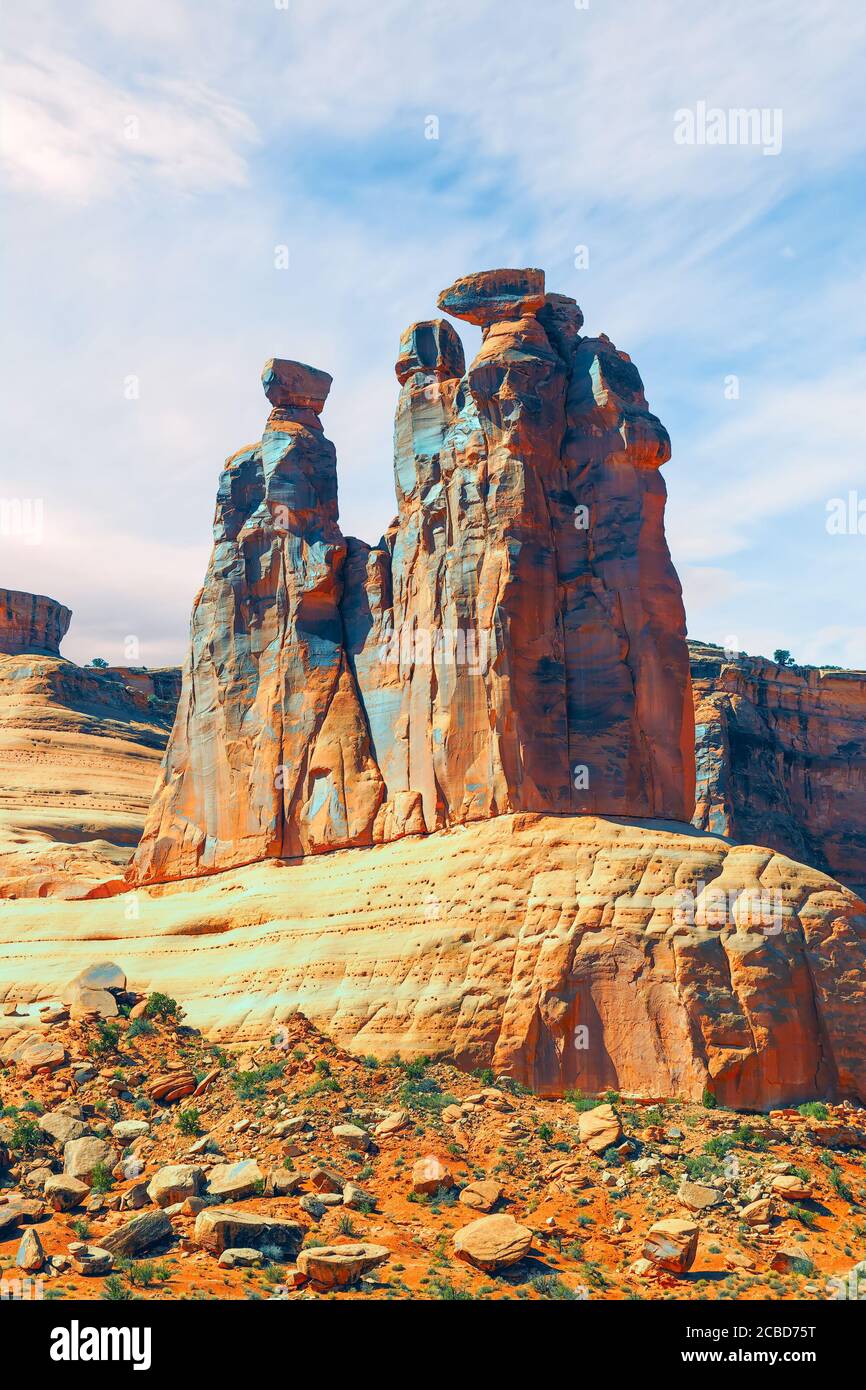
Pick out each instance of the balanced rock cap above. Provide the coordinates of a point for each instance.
(294, 384)
(430, 346)
(493, 295)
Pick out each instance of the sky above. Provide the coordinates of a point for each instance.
(190, 189)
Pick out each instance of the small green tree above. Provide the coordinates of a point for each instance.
(189, 1122)
(783, 657)
(99, 663)
(163, 1007)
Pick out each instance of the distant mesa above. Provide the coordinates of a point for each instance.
(31, 624)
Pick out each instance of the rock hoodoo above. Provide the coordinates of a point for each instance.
(516, 640)
(31, 624)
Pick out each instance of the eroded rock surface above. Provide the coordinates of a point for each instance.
(554, 949)
(781, 758)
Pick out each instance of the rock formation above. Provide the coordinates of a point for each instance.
(31, 623)
(79, 754)
(270, 755)
(781, 758)
(563, 951)
(516, 641)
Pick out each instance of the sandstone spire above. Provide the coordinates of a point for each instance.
(516, 640)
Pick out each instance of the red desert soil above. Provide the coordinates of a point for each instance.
(586, 1214)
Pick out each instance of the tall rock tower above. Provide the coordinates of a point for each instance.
(516, 641)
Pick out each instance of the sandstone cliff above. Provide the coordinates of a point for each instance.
(560, 950)
(79, 755)
(516, 641)
(31, 623)
(781, 758)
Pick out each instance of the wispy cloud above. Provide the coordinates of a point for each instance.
(69, 133)
(159, 153)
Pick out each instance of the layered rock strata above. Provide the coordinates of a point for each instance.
(80, 751)
(781, 758)
(564, 951)
(31, 623)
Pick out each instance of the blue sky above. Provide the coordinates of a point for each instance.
(153, 157)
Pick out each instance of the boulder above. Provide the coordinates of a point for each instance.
(128, 1130)
(392, 1124)
(698, 1196)
(325, 1179)
(294, 385)
(234, 1181)
(358, 1198)
(481, 1195)
(494, 295)
(672, 1245)
(791, 1187)
(352, 1137)
(338, 1266)
(790, 1260)
(89, 1259)
(34, 1053)
(175, 1183)
(140, 1235)
(492, 1242)
(94, 990)
(63, 1192)
(429, 1174)
(224, 1228)
(240, 1258)
(82, 1156)
(30, 1255)
(61, 1128)
(599, 1129)
(758, 1213)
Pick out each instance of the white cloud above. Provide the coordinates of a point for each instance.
(556, 128)
(68, 132)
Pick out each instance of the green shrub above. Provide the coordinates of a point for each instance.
(188, 1122)
(106, 1040)
(814, 1110)
(253, 1085)
(163, 1007)
(26, 1137)
(139, 1028)
(114, 1290)
(101, 1179)
(580, 1101)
